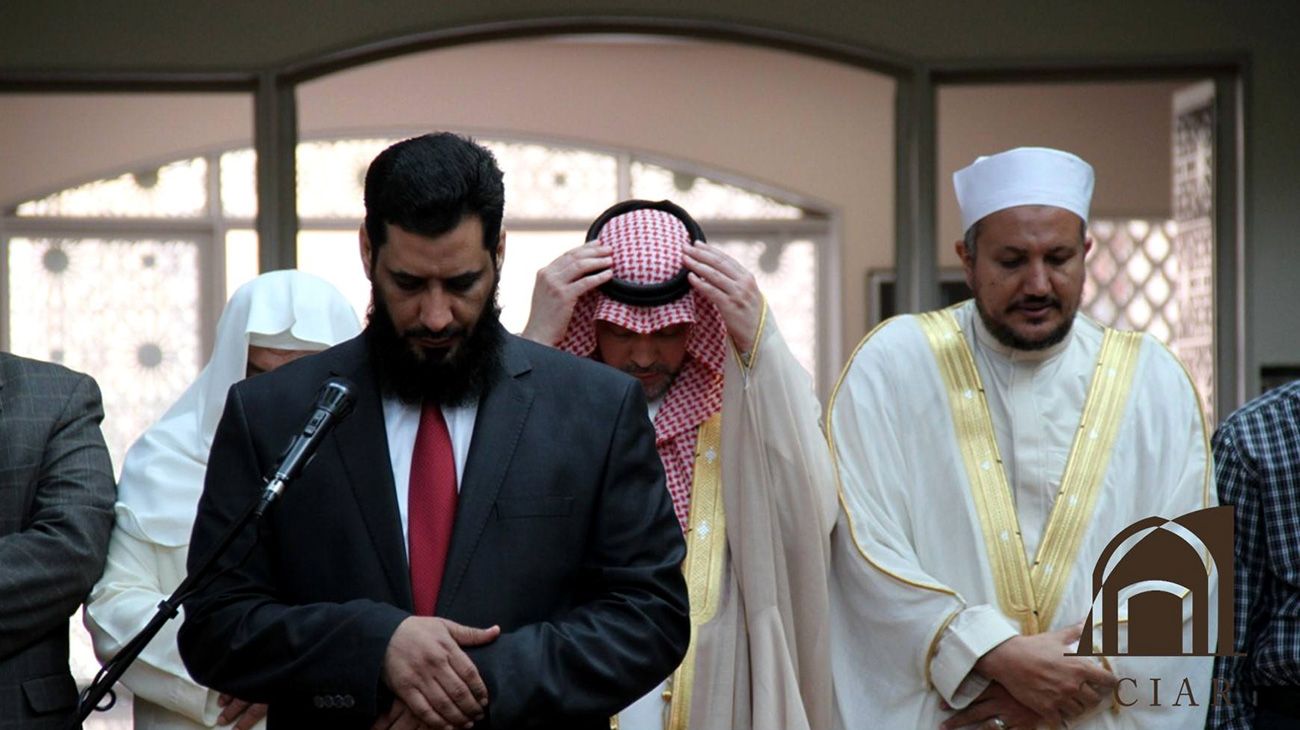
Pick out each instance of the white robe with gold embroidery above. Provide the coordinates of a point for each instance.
(760, 657)
(914, 602)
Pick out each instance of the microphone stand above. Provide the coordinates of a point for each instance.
(167, 610)
(333, 403)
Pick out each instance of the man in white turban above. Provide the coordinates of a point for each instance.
(273, 319)
(736, 427)
(987, 455)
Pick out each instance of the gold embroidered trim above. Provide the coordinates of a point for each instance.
(1205, 440)
(839, 485)
(705, 552)
(988, 481)
(748, 360)
(1032, 596)
(853, 532)
(1205, 433)
(934, 648)
(1085, 470)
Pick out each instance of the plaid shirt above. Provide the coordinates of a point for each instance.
(1257, 467)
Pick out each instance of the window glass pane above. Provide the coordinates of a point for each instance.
(335, 257)
(176, 190)
(239, 184)
(705, 198)
(241, 258)
(332, 176)
(124, 311)
(786, 271)
(541, 181)
(526, 253)
(555, 182)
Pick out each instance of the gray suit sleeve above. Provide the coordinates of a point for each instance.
(51, 563)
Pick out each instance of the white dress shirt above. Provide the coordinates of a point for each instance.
(647, 713)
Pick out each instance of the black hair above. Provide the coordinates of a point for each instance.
(426, 185)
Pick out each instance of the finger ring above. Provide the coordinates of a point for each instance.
(998, 723)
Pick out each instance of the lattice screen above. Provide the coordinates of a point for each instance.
(1143, 275)
(1194, 244)
(1158, 275)
(1132, 276)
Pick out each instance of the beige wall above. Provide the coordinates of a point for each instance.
(78, 37)
(820, 131)
(815, 131)
(51, 141)
(1122, 129)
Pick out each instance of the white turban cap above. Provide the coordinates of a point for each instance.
(1023, 176)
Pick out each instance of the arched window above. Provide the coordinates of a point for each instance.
(124, 277)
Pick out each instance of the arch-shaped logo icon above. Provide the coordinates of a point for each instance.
(1164, 558)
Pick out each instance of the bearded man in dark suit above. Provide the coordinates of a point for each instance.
(487, 539)
(56, 513)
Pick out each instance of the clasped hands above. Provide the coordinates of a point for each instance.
(436, 684)
(1034, 683)
(239, 714)
(716, 276)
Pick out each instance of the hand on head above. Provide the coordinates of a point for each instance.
(716, 276)
(559, 286)
(729, 287)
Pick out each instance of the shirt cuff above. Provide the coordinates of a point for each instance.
(972, 634)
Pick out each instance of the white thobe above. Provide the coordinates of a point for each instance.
(913, 599)
(761, 660)
(162, 478)
(140, 573)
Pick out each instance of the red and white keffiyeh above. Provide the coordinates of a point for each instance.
(647, 248)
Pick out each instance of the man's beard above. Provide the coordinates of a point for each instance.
(446, 376)
(1007, 336)
(664, 385)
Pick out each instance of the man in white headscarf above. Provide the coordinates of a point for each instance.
(736, 427)
(987, 455)
(269, 321)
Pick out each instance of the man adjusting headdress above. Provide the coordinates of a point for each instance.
(736, 425)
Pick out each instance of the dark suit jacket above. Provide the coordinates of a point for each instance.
(564, 536)
(56, 512)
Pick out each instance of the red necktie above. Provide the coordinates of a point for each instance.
(431, 507)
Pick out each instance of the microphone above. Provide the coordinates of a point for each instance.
(333, 404)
